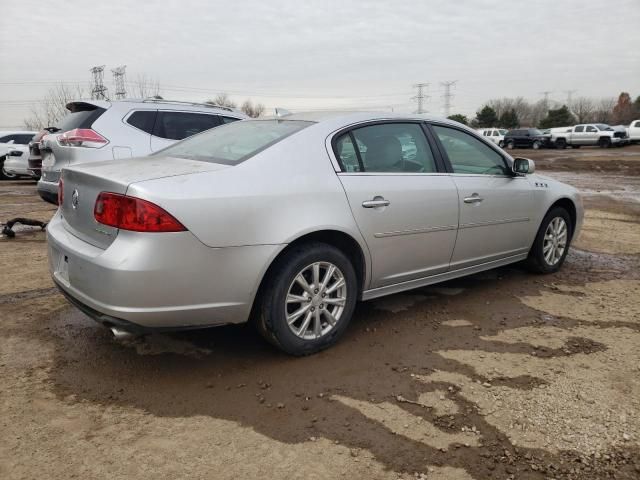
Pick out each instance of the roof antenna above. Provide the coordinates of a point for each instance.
(282, 112)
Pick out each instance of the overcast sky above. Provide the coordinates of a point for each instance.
(324, 54)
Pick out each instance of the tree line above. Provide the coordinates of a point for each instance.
(518, 112)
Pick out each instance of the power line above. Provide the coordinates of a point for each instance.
(448, 96)
(99, 91)
(119, 81)
(421, 97)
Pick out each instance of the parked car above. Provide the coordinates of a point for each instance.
(16, 163)
(525, 138)
(35, 155)
(96, 130)
(290, 221)
(591, 134)
(9, 139)
(633, 131)
(495, 135)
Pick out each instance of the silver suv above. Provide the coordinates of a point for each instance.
(96, 130)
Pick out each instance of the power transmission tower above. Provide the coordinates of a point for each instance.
(447, 96)
(546, 96)
(118, 80)
(98, 91)
(421, 97)
(569, 96)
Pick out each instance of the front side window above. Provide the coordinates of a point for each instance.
(24, 138)
(591, 129)
(180, 125)
(468, 154)
(495, 133)
(390, 148)
(235, 142)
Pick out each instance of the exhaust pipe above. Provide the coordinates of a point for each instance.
(120, 334)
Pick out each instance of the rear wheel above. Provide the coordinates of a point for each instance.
(552, 241)
(510, 145)
(577, 146)
(309, 299)
(604, 142)
(536, 145)
(4, 175)
(501, 144)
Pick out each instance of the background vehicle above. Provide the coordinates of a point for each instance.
(9, 139)
(495, 135)
(525, 138)
(96, 130)
(16, 163)
(296, 218)
(591, 134)
(633, 131)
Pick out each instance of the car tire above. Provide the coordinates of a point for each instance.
(501, 144)
(279, 319)
(3, 174)
(604, 142)
(561, 144)
(510, 145)
(576, 146)
(535, 145)
(545, 256)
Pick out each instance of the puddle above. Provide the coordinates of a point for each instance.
(619, 187)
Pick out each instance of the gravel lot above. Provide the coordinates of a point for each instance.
(500, 375)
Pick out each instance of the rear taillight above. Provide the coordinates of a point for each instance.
(82, 137)
(60, 192)
(131, 213)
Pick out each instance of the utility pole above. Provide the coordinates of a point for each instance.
(118, 80)
(421, 97)
(98, 91)
(546, 97)
(448, 96)
(569, 96)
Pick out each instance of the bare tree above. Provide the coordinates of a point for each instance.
(223, 100)
(251, 109)
(604, 110)
(583, 109)
(144, 87)
(53, 106)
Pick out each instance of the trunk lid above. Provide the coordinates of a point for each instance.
(82, 185)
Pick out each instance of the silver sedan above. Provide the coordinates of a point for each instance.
(289, 221)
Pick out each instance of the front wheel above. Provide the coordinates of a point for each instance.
(552, 241)
(510, 145)
(561, 143)
(309, 299)
(536, 145)
(604, 142)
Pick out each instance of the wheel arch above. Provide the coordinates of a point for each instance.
(571, 209)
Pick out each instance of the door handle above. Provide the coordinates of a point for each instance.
(376, 202)
(475, 198)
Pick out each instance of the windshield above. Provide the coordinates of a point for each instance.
(503, 131)
(235, 142)
(603, 126)
(535, 131)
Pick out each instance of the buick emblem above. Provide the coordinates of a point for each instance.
(74, 198)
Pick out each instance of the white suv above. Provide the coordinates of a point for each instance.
(7, 141)
(96, 130)
(495, 135)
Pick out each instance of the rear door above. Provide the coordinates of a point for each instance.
(591, 134)
(578, 135)
(495, 219)
(171, 126)
(404, 203)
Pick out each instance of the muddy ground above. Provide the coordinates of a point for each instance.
(500, 375)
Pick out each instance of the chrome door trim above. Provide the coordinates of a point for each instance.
(495, 222)
(440, 277)
(415, 231)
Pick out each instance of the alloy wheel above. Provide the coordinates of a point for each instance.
(315, 300)
(555, 240)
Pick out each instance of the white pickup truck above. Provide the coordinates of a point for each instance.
(634, 131)
(590, 134)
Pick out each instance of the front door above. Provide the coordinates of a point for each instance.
(495, 220)
(405, 206)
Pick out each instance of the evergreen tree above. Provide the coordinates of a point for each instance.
(458, 117)
(509, 119)
(487, 117)
(561, 117)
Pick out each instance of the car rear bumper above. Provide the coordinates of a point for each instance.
(157, 280)
(48, 191)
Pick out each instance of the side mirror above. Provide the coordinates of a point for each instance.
(523, 166)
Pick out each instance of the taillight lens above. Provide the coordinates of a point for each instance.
(131, 213)
(82, 137)
(60, 192)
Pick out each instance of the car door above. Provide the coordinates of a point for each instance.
(172, 125)
(404, 203)
(578, 135)
(590, 135)
(495, 206)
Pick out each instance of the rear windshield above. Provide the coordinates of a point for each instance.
(83, 116)
(235, 142)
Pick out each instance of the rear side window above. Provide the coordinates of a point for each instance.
(143, 119)
(180, 125)
(24, 138)
(469, 155)
(580, 129)
(235, 142)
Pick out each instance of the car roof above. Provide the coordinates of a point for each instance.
(147, 103)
